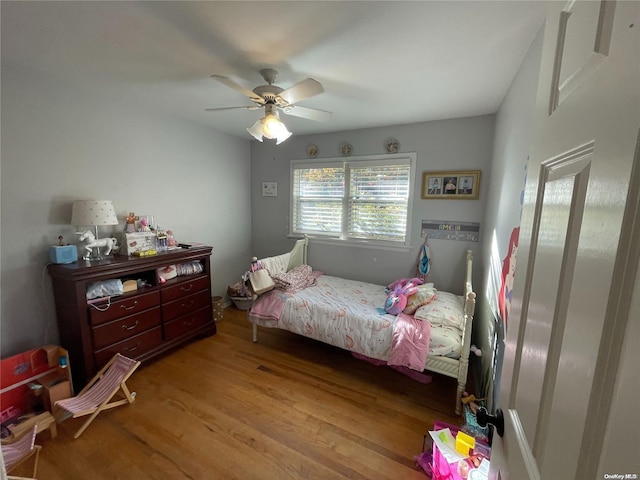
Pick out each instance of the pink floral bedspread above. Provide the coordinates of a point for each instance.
(344, 313)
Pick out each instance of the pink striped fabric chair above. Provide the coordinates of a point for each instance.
(97, 395)
(18, 451)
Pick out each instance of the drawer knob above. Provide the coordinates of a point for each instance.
(188, 305)
(187, 289)
(125, 327)
(135, 302)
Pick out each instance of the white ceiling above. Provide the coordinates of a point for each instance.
(381, 63)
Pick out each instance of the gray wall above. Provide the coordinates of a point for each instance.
(513, 136)
(459, 144)
(61, 144)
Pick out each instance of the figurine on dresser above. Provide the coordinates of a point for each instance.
(111, 244)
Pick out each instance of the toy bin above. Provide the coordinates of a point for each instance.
(443, 470)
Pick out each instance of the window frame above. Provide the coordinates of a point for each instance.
(333, 162)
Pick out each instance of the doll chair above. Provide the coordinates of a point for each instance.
(97, 395)
(17, 452)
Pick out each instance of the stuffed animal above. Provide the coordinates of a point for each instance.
(403, 282)
(398, 292)
(144, 225)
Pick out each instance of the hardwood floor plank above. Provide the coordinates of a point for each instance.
(286, 407)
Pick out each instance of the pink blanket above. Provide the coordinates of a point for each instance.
(410, 344)
(270, 306)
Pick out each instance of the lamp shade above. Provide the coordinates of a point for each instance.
(256, 130)
(93, 212)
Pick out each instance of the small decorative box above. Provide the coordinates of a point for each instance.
(136, 242)
(63, 254)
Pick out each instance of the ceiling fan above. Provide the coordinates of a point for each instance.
(274, 99)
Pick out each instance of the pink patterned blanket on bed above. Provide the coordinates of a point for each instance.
(344, 313)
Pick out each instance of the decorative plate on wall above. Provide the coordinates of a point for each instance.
(346, 149)
(392, 145)
(312, 151)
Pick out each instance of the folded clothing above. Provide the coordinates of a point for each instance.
(295, 279)
(189, 268)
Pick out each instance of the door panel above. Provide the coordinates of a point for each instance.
(554, 218)
(567, 318)
(582, 45)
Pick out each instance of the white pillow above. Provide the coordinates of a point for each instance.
(445, 309)
(425, 294)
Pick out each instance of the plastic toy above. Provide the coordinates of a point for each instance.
(144, 225)
(130, 225)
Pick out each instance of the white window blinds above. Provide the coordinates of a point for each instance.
(353, 200)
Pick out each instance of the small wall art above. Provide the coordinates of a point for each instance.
(457, 184)
(269, 189)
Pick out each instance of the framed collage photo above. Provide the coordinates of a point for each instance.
(460, 184)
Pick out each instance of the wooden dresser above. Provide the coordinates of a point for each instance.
(141, 324)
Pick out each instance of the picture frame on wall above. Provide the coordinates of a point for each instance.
(269, 189)
(455, 184)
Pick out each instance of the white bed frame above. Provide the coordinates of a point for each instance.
(455, 368)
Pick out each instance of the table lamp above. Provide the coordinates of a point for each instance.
(94, 213)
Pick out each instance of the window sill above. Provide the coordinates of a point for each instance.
(354, 243)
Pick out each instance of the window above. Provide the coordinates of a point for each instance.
(363, 199)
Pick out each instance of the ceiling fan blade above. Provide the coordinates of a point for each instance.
(308, 113)
(301, 90)
(239, 88)
(253, 107)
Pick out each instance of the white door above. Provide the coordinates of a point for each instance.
(567, 365)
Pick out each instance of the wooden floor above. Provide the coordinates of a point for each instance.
(283, 408)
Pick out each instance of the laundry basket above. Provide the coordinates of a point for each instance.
(218, 308)
(243, 303)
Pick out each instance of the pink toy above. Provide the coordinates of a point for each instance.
(404, 281)
(144, 225)
(398, 292)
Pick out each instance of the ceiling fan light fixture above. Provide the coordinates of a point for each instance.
(270, 126)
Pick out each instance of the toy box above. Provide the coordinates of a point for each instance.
(56, 387)
(19, 371)
(443, 470)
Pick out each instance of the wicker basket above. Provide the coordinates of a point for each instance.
(243, 303)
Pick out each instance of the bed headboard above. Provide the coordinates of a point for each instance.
(298, 254)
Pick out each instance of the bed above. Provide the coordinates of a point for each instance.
(346, 314)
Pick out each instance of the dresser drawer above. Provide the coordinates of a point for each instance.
(185, 305)
(125, 306)
(185, 288)
(133, 347)
(187, 323)
(125, 327)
